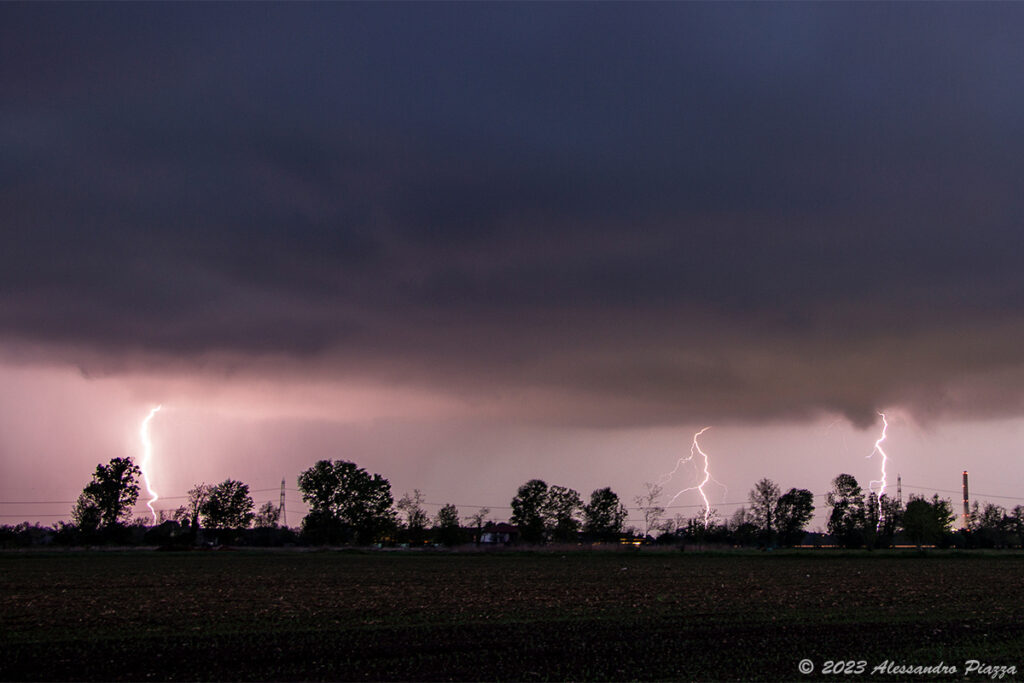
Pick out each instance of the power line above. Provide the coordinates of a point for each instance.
(974, 495)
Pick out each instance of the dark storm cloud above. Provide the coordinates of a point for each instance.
(633, 213)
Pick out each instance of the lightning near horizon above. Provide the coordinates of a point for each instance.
(147, 452)
(885, 460)
(695, 450)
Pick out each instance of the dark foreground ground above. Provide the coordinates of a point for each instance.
(147, 615)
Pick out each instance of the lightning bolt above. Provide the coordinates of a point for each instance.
(147, 452)
(695, 450)
(885, 460)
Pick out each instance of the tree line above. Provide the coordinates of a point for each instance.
(348, 505)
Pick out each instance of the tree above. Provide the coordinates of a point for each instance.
(927, 522)
(267, 516)
(86, 514)
(415, 516)
(1016, 524)
(604, 516)
(346, 503)
(764, 498)
(529, 509)
(990, 526)
(448, 530)
(110, 495)
(197, 497)
(793, 511)
(699, 528)
(742, 527)
(562, 513)
(477, 520)
(891, 511)
(919, 522)
(943, 511)
(872, 520)
(650, 506)
(228, 506)
(846, 521)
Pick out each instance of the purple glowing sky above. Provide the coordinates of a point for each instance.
(468, 245)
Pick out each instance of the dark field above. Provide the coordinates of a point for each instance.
(604, 615)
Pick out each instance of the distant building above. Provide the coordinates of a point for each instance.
(498, 534)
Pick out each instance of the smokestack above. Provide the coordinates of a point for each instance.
(967, 505)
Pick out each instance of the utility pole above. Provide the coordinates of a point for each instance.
(284, 513)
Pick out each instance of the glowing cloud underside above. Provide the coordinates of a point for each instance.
(695, 450)
(885, 461)
(147, 452)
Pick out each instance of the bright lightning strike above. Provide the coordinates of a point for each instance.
(695, 450)
(147, 452)
(885, 460)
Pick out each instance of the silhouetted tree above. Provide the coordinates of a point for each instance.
(891, 512)
(110, 495)
(228, 506)
(742, 527)
(86, 514)
(927, 522)
(346, 503)
(190, 513)
(604, 516)
(267, 516)
(846, 521)
(919, 522)
(1017, 525)
(699, 529)
(416, 518)
(529, 508)
(872, 520)
(562, 512)
(944, 517)
(650, 506)
(764, 498)
(477, 520)
(990, 526)
(792, 513)
(448, 530)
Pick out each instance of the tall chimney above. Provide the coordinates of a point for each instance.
(967, 504)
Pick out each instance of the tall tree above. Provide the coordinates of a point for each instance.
(872, 519)
(1017, 524)
(846, 521)
(764, 498)
(197, 496)
(943, 511)
(563, 510)
(742, 527)
(792, 513)
(529, 510)
(228, 506)
(86, 514)
(604, 516)
(346, 503)
(891, 513)
(477, 520)
(990, 526)
(267, 516)
(650, 506)
(448, 530)
(416, 518)
(111, 493)
(919, 522)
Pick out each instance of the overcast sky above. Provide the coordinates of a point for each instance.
(465, 245)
